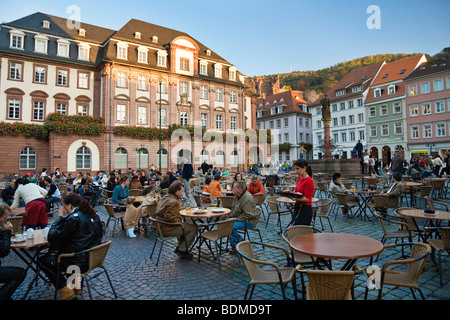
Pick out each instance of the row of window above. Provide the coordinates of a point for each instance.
(426, 108)
(427, 130)
(38, 109)
(302, 137)
(142, 117)
(277, 123)
(183, 87)
(184, 63)
(342, 105)
(40, 75)
(342, 92)
(342, 136)
(17, 41)
(425, 87)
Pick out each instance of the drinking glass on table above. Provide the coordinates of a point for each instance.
(353, 188)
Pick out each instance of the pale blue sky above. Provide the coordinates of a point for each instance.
(263, 37)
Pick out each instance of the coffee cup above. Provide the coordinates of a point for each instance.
(30, 233)
(19, 237)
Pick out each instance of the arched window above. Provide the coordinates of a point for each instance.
(142, 158)
(84, 158)
(121, 158)
(27, 159)
(164, 158)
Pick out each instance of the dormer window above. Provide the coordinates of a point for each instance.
(357, 88)
(122, 50)
(82, 32)
(137, 35)
(218, 70)
(142, 55)
(208, 52)
(16, 39)
(162, 58)
(391, 89)
(83, 51)
(203, 67)
(377, 93)
(40, 43)
(155, 39)
(63, 48)
(232, 74)
(46, 24)
(340, 92)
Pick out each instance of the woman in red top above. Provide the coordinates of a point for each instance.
(302, 210)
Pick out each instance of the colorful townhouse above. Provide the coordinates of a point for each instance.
(428, 108)
(386, 109)
(348, 123)
(288, 117)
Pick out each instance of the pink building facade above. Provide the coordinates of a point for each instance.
(428, 108)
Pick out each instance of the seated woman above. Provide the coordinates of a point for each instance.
(255, 186)
(121, 191)
(77, 228)
(336, 186)
(133, 214)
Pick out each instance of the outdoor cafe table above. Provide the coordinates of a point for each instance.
(434, 219)
(349, 247)
(411, 185)
(30, 257)
(209, 215)
(365, 196)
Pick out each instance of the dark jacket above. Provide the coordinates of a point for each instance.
(168, 210)
(188, 170)
(5, 241)
(8, 194)
(75, 232)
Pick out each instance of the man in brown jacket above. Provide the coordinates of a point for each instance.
(168, 210)
(244, 209)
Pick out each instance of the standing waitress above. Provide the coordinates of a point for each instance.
(302, 210)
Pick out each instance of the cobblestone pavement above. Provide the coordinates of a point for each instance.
(136, 277)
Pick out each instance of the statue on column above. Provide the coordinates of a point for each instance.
(326, 113)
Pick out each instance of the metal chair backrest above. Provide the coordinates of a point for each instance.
(110, 210)
(259, 198)
(419, 254)
(16, 223)
(135, 192)
(341, 198)
(380, 200)
(445, 235)
(248, 258)
(426, 190)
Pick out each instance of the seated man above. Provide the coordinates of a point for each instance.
(336, 186)
(255, 186)
(244, 210)
(8, 194)
(395, 191)
(53, 194)
(150, 187)
(10, 277)
(168, 210)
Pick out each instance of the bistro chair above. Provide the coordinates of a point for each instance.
(320, 211)
(298, 257)
(372, 183)
(322, 188)
(161, 237)
(246, 229)
(329, 284)
(402, 233)
(343, 200)
(434, 204)
(259, 199)
(274, 208)
(424, 191)
(379, 202)
(270, 274)
(438, 189)
(222, 231)
(414, 266)
(439, 245)
(97, 257)
(226, 201)
(113, 215)
(135, 192)
(16, 223)
(412, 224)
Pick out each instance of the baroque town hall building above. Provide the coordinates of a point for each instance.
(85, 98)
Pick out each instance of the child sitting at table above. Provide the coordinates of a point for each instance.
(205, 191)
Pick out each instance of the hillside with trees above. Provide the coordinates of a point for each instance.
(319, 81)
